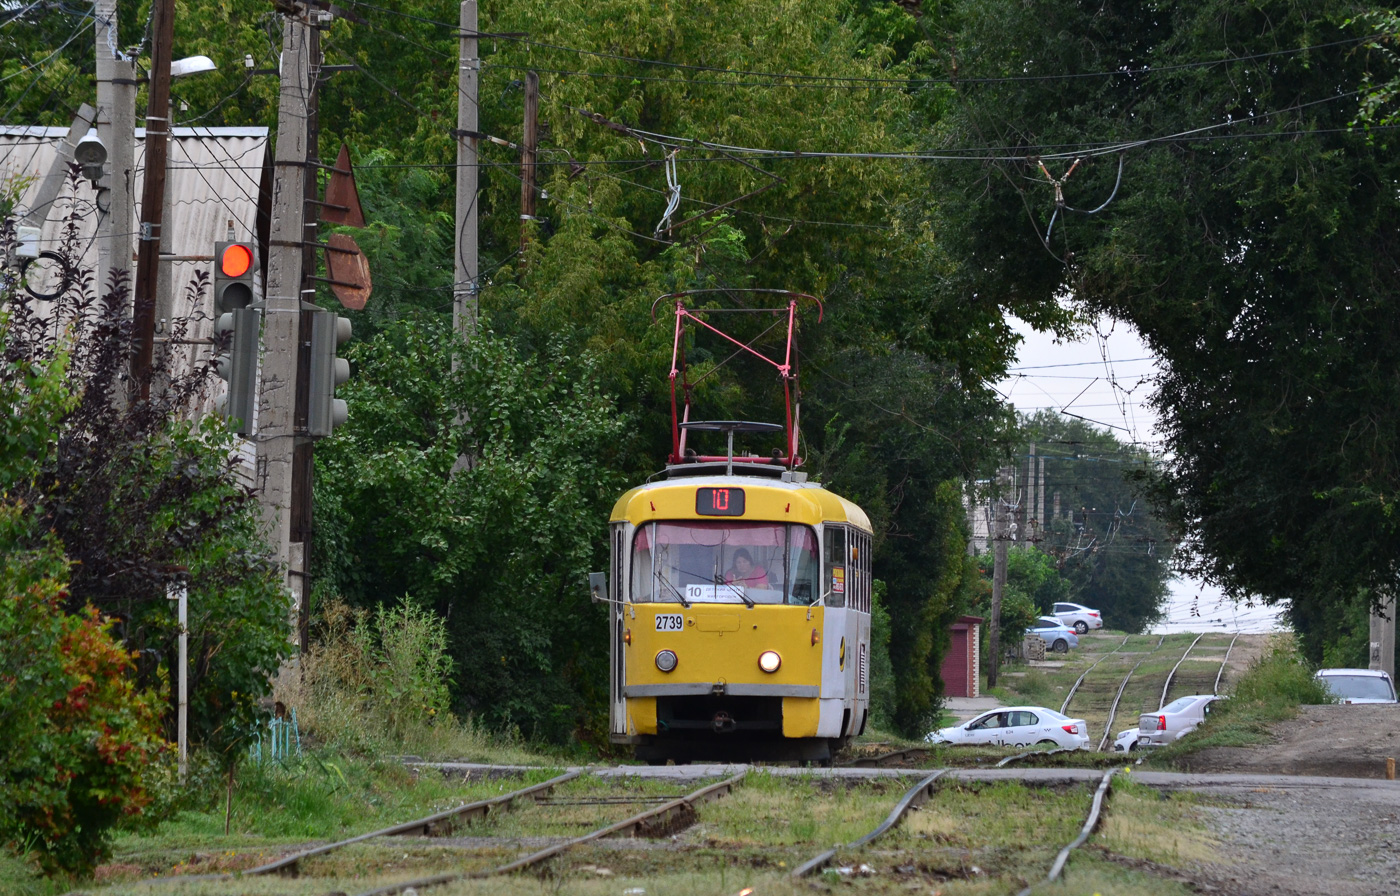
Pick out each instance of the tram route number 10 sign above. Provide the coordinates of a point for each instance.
(719, 501)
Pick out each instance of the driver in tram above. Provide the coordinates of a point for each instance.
(745, 573)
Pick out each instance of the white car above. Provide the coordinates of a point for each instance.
(1078, 617)
(1175, 720)
(1358, 685)
(1126, 741)
(1017, 726)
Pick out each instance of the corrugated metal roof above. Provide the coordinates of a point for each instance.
(212, 184)
(212, 180)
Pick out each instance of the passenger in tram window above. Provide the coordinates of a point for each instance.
(745, 573)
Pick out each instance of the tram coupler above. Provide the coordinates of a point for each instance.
(724, 722)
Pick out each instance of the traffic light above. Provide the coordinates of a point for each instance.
(234, 266)
(239, 331)
(324, 411)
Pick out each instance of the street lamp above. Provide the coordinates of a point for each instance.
(191, 65)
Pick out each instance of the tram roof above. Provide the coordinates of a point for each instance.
(801, 502)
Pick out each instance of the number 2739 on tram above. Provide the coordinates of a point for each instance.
(739, 611)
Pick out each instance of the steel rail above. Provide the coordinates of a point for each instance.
(1029, 753)
(632, 825)
(1113, 710)
(1094, 809)
(428, 826)
(1172, 673)
(884, 759)
(915, 797)
(1064, 707)
(1216, 689)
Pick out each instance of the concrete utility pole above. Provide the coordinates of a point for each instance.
(465, 286)
(1383, 640)
(116, 128)
(153, 192)
(276, 437)
(999, 537)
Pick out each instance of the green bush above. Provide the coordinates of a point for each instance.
(78, 733)
(374, 680)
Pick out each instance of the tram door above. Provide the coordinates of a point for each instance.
(617, 589)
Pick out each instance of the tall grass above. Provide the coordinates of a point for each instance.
(377, 683)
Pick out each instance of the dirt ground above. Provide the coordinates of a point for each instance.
(1330, 741)
(1312, 839)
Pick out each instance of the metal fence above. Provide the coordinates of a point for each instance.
(277, 741)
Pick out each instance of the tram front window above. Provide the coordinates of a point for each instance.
(724, 562)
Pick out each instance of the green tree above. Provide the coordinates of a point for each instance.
(1112, 550)
(1224, 208)
(79, 735)
(136, 494)
(460, 488)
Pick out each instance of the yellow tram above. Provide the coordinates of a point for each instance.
(739, 608)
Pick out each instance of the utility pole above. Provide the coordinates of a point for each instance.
(153, 192)
(1383, 639)
(529, 150)
(465, 287)
(276, 436)
(999, 536)
(115, 121)
(303, 456)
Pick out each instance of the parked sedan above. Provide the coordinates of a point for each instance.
(1078, 617)
(1017, 726)
(1358, 685)
(1057, 636)
(1179, 717)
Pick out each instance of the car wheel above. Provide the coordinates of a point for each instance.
(1061, 646)
(1047, 740)
(1081, 627)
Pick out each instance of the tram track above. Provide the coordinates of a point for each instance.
(1095, 809)
(639, 824)
(912, 799)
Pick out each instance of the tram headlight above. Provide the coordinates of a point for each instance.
(666, 660)
(769, 661)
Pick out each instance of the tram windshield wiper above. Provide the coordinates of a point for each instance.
(662, 579)
(736, 589)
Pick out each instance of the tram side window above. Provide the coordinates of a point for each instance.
(860, 592)
(836, 584)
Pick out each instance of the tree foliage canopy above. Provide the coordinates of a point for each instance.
(1222, 205)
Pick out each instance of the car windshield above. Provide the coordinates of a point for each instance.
(1178, 704)
(1359, 687)
(724, 562)
(1054, 715)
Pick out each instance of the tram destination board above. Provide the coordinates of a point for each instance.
(719, 501)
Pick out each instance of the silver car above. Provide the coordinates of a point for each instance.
(1057, 636)
(1179, 717)
(1358, 685)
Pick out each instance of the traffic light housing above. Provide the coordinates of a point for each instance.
(239, 337)
(324, 411)
(235, 264)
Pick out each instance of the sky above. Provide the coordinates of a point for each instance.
(1106, 378)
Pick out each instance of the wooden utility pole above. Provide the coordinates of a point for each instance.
(153, 192)
(276, 413)
(999, 537)
(529, 150)
(465, 287)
